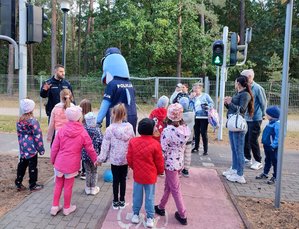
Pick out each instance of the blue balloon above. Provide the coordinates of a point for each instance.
(107, 175)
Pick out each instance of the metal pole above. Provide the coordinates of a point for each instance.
(156, 88)
(64, 39)
(284, 99)
(222, 82)
(40, 99)
(217, 88)
(207, 85)
(22, 50)
(16, 49)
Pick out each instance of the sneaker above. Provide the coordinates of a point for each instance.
(36, 187)
(20, 187)
(183, 221)
(159, 211)
(94, 190)
(236, 178)
(185, 173)
(67, 211)
(122, 204)
(205, 154)
(248, 162)
(162, 175)
(150, 222)
(83, 176)
(229, 172)
(135, 219)
(115, 205)
(261, 176)
(271, 181)
(55, 210)
(194, 150)
(87, 190)
(256, 165)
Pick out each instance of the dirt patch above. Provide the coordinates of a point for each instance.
(9, 196)
(262, 214)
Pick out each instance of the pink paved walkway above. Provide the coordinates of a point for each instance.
(207, 203)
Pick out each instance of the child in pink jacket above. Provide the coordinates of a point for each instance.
(66, 157)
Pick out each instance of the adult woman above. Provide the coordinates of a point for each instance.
(242, 101)
(201, 103)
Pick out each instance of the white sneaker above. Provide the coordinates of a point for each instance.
(248, 162)
(135, 219)
(150, 222)
(229, 172)
(236, 178)
(87, 190)
(94, 190)
(256, 165)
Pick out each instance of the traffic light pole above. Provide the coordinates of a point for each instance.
(22, 50)
(222, 82)
(15, 45)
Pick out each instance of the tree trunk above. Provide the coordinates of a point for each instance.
(30, 53)
(73, 40)
(79, 38)
(10, 70)
(53, 36)
(202, 25)
(179, 47)
(242, 22)
(88, 31)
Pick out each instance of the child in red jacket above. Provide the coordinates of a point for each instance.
(66, 158)
(145, 158)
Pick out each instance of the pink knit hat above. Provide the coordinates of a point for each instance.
(73, 113)
(175, 112)
(27, 105)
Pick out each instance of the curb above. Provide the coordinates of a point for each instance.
(246, 222)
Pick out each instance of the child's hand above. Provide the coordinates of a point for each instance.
(42, 153)
(97, 163)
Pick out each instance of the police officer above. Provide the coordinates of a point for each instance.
(51, 88)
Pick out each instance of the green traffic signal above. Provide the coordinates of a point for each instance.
(217, 58)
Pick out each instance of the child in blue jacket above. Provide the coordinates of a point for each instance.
(270, 143)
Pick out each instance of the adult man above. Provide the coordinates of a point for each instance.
(51, 88)
(119, 88)
(254, 123)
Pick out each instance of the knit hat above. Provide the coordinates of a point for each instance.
(163, 101)
(73, 113)
(146, 126)
(90, 119)
(175, 112)
(27, 105)
(184, 101)
(273, 111)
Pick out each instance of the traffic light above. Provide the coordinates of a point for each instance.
(233, 58)
(35, 24)
(217, 58)
(8, 18)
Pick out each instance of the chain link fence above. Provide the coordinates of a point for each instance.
(147, 89)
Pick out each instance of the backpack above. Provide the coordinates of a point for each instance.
(213, 118)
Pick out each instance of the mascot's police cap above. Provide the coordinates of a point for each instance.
(109, 51)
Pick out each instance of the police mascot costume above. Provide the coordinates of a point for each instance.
(119, 88)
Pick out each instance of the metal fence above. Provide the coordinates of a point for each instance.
(147, 89)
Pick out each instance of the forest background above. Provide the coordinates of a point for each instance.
(160, 38)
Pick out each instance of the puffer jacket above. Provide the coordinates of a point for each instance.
(67, 146)
(173, 142)
(271, 134)
(145, 158)
(115, 143)
(30, 138)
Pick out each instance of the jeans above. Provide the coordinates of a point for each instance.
(149, 199)
(91, 174)
(201, 128)
(270, 159)
(251, 141)
(119, 173)
(22, 166)
(237, 141)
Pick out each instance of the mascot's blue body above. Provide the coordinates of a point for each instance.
(119, 88)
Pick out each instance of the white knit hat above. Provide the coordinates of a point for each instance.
(90, 119)
(73, 113)
(27, 105)
(163, 101)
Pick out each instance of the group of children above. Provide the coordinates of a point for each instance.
(163, 147)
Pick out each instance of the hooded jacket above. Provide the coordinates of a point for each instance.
(67, 146)
(159, 115)
(30, 138)
(173, 142)
(115, 143)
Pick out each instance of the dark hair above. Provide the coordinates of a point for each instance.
(174, 123)
(243, 81)
(58, 66)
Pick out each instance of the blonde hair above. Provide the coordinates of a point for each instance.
(66, 97)
(26, 116)
(85, 104)
(118, 113)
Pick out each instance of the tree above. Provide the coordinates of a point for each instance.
(274, 68)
